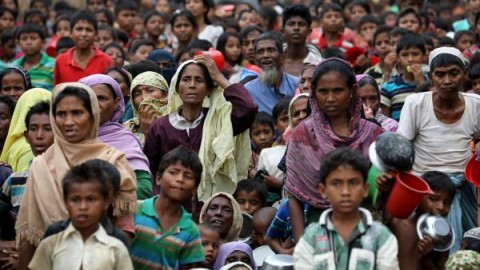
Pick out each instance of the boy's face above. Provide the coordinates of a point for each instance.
(281, 123)
(210, 243)
(410, 22)
(476, 86)
(465, 42)
(141, 53)
(356, 12)
(248, 46)
(367, 30)
(382, 45)
(249, 202)
(437, 204)
(155, 25)
(83, 34)
(177, 182)
(260, 228)
(126, 20)
(410, 56)
(345, 188)
(30, 43)
(94, 5)
(296, 30)
(39, 133)
(332, 21)
(36, 19)
(261, 136)
(85, 205)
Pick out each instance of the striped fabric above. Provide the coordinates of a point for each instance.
(41, 74)
(394, 94)
(155, 248)
(12, 192)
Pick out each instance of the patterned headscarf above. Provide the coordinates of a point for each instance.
(463, 260)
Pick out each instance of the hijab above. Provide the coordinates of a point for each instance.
(17, 151)
(228, 248)
(160, 55)
(116, 134)
(43, 202)
(288, 132)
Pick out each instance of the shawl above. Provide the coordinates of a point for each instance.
(17, 151)
(42, 202)
(237, 223)
(160, 55)
(225, 158)
(288, 132)
(115, 134)
(313, 139)
(228, 248)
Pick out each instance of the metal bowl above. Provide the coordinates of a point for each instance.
(438, 229)
(278, 262)
(261, 253)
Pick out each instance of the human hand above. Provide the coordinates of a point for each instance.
(384, 182)
(368, 112)
(425, 245)
(389, 62)
(146, 115)
(362, 61)
(416, 71)
(206, 60)
(10, 261)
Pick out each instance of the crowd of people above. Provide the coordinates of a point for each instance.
(126, 142)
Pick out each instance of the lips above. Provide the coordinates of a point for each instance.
(82, 217)
(40, 148)
(217, 223)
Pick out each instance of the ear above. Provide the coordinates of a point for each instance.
(322, 187)
(366, 189)
(25, 135)
(158, 178)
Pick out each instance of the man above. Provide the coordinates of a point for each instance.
(249, 36)
(273, 83)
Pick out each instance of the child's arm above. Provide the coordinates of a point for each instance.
(26, 252)
(297, 217)
(277, 246)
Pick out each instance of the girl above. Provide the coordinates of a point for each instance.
(61, 26)
(234, 252)
(163, 6)
(357, 9)
(7, 106)
(14, 82)
(7, 19)
(247, 18)
(184, 28)
(206, 30)
(230, 45)
(155, 24)
(105, 35)
(116, 52)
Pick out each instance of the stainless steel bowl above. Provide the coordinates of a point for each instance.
(438, 229)
(278, 262)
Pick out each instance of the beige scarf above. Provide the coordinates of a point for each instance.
(42, 203)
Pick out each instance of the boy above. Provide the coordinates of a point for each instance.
(84, 59)
(414, 253)
(471, 240)
(211, 242)
(382, 49)
(63, 45)
(333, 24)
(262, 135)
(31, 39)
(465, 39)
(260, 222)
(346, 237)
(410, 53)
(410, 19)
(84, 244)
(125, 13)
(165, 235)
(251, 195)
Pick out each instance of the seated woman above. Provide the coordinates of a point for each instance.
(75, 118)
(223, 213)
(234, 252)
(112, 106)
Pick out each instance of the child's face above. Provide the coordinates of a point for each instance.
(196, 7)
(248, 46)
(138, 26)
(245, 20)
(281, 123)
(410, 22)
(233, 49)
(382, 45)
(356, 12)
(299, 110)
(367, 30)
(259, 232)
(177, 182)
(155, 26)
(163, 7)
(63, 29)
(39, 133)
(261, 136)
(437, 204)
(345, 188)
(85, 205)
(13, 85)
(30, 43)
(5, 118)
(410, 56)
(116, 56)
(474, 5)
(101, 18)
(36, 19)
(249, 202)
(476, 86)
(332, 22)
(126, 20)
(465, 42)
(391, 20)
(141, 53)
(183, 29)
(103, 38)
(83, 34)
(94, 5)
(211, 243)
(7, 21)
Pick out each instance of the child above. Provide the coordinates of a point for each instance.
(105, 36)
(260, 222)
(7, 19)
(117, 54)
(155, 24)
(471, 240)
(230, 45)
(84, 244)
(211, 242)
(63, 45)
(31, 39)
(383, 50)
(410, 19)
(14, 82)
(125, 13)
(8, 47)
(184, 28)
(410, 52)
(61, 26)
(180, 245)
(139, 49)
(366, 29)
(414, 253)
(465, 39)
(104, 17)
(346, 235)
(261, 134)
(333, 24)
(251, 195)
(474, 76)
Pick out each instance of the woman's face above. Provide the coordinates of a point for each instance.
(121, 81)
(106, 100)
(238, 256)
(245, 20)
(183, 29)
(196, 7)
(192, 87)
(299, 110)
(333, 94)
(219, 215)
(116, 55)
(73, 119)
(142, 92)
(13, 85)
(369, 96)
(5, 118)
(306, 80)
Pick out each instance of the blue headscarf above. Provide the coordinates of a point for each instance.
(163, 55)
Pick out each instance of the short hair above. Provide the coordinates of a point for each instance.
(446, 42)
(62, 17)
(439, 181)
(222, 42)
(411, 41)
(42, 107)
(201, 44)
(428, 40)
(362, 4)
(281, 106)
(124, 5)
(340, 157)
(116, 46)
(73, 91)
(108, 14)
(137, 43)
(35, 12)
(407, 11)
(331, 7)
(273, 36)
(187, 157)
(249, 29)
(263, 118)
(154, 13)
(64, 42)
(380, 30)
(84, 15)
(462, 33)
(250, 185)
(440, 24)
(120, 35)
(298, 10)
(87, 172)
(183, 13)
(4, 10)
(368, 19)
(114, 177)
(108, 28)
(474, 72)
(31, 28)
(10, 102)
(142, 66)
(47, 3)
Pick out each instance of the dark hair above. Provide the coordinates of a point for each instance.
(27, 82)
(187, 157)
(368, 19)
(108, 14)
(154, 13)
(35, 12)
(137, 43)
(440, 24)
(474, 72)
(47, 3)
(73, 91)
(407, 11)
(251, 185)
(301, 11)
(222, 41)
(462, 33)
(60, 18)
(446, 42)
(184, 13)
(471, 244)
(273, 36)
(88, 172)
(120, 35)
(208, 79)
(122, 72)
(249, 29)
(230, 23)
(367, 80)
(336, 65)
(428, 40)
(362, 4)
(116, 46)
(111, 171)
(31, 28)
(331, 7)
(439, 181)
(281, 106)
(208, 5)
(446, 60)
(201, 44)
(380, 30)
(124, 5)
(84, 15)
(340, 157)
(64, 42)
(424, 87)
(179, 53)
(4, 10)
(334, 52)
(108, 28)
(42, 107)
(398, 31)
(10, 102)
(411, 41)
(263, 118)
(270, 15)
(142, 66)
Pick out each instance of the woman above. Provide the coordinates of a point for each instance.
(16, 150)
(234, 252)
(200, 9)
(75, 118)
(335, 121)
(165, 61)
(210, 120)
(223, 213)
(110, 99)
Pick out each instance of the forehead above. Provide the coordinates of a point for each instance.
(265, 43)
(448, 68)
(332, 12)
(192, 70)
(90, 187)
(296, 19)
(83, 23)
(220, 200)
(251, 194)
(206, 232)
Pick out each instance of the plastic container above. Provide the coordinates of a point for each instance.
(216, 56)
(472, 170)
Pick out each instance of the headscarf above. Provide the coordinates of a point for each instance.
(42, 202)
(17, 151)
(27, 81)
(225, 158)
(235, 264)
(314, 138)
(237, 222)
(228, 248)
(288, 132)
(116, 134)
(463, 259)
(163, 55)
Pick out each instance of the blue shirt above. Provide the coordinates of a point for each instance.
(394, 94)
(265, 96)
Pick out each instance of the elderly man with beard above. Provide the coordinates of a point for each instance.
(273, 83)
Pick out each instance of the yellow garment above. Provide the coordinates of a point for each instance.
(17, 151)
(225, 158)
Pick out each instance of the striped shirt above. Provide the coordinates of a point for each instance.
(42, 73)
(12, 192)
(154, 248)
(394, 94)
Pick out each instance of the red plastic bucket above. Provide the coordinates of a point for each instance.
(472, 170)
(217, 57)
(406, 194)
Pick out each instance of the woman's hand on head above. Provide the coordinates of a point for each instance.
(215, 74)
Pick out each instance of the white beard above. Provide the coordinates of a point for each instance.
(269, 76)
